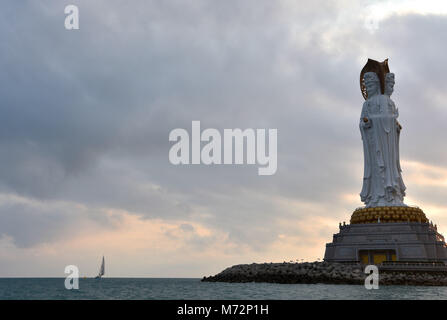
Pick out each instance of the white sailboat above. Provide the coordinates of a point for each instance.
(101, 270)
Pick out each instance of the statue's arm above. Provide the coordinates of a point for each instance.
(365, 121)
(396, 110)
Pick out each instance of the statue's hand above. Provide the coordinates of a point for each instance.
(399, 127)
(366, 123)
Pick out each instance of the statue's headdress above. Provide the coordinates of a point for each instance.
(380, 68)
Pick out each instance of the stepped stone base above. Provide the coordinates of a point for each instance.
(375, 243)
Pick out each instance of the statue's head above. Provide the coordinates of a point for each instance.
(372, 83)
(380, 69)
(389, 83)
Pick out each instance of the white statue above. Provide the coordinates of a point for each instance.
(380, 130)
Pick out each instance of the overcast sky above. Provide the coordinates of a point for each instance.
(86, 115)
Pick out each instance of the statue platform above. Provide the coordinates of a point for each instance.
(381, 243)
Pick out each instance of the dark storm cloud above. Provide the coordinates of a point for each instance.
(86, 114)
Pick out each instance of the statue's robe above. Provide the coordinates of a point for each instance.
(382, 180)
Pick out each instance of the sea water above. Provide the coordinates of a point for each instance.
(164, 289)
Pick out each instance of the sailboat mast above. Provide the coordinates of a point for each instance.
(103, 266)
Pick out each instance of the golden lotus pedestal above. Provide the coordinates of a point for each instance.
(383, 235)
(388, 215)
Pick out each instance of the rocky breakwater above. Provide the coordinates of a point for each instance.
(322, 272)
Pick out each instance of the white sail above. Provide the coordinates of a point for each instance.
(103, 268)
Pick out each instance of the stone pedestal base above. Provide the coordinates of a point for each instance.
(374, 243)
